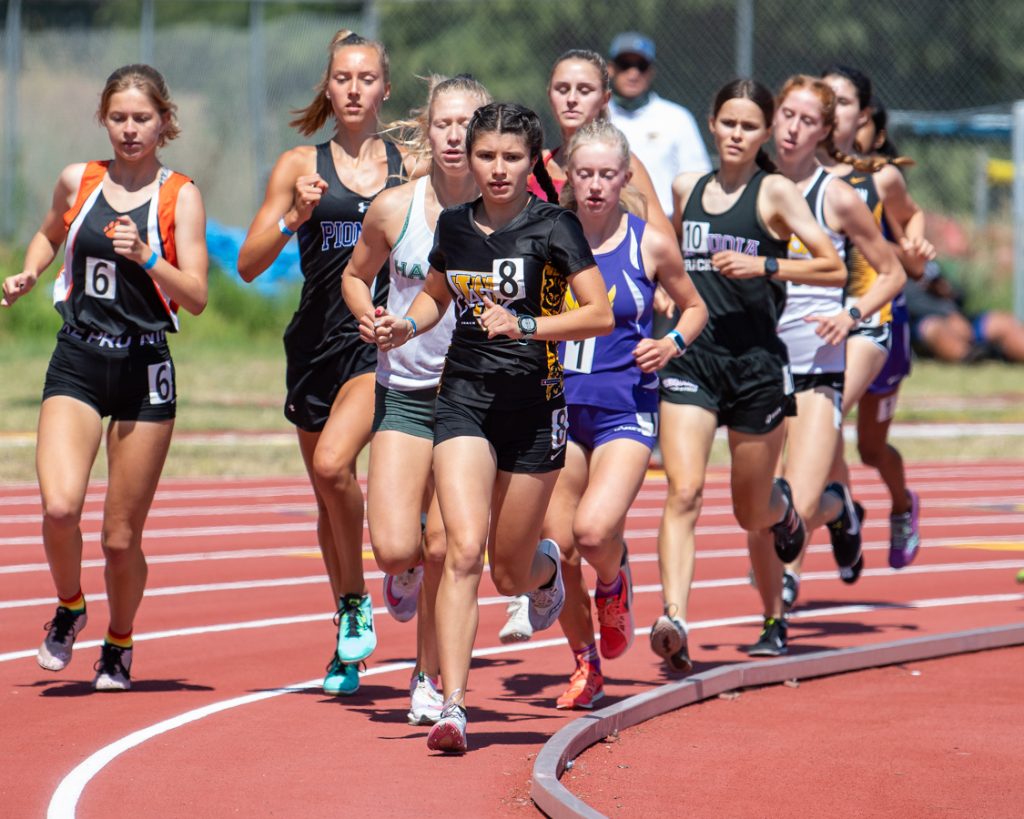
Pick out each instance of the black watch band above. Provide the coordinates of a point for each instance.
(771, 266)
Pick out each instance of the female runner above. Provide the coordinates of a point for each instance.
(814, 324)
(878, 350)
(399, 231)
(136, 250)
(611, 390)
(322, 192)
(735, 224)
(500, 424)
(578, 91)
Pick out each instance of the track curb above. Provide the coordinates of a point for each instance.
(555, 800)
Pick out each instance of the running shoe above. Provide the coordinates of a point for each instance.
(449, 732)
(844, 531)
(401, 592)
(615, 615)
(668, 641)
(546, 603)
(356, 638)
(517, 628)
(425, 701)
(586, 686)
(905, 534)
(113, 669)
(61, 632)
(790, 588)
(772, 640)
(341, 679)
(851, 574)
(790, 533)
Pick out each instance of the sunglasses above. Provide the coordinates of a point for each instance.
(626, 63)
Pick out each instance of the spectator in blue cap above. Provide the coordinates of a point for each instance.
(663, 134)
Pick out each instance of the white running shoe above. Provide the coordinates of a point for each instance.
(425, 701)
(113, 669)
(449, 732)
(61, 631)
(401, 592)
(517, 628)
(546, 603)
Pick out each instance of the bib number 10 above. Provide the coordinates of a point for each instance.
(161, 383)
(100, 278)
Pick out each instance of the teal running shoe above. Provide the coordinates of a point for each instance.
(341, 679)
(356, 637)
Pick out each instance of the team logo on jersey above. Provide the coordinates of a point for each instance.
(698, 240)
(340, 234)
(679, 385)
(406, 272)
(572, 304)
(503, 284)
(363, 207)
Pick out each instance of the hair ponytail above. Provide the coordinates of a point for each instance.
(540, 173)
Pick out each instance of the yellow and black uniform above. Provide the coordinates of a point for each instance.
(507, 391)
(737, 367)
(322, 343)
(876, 327)
(112, 351)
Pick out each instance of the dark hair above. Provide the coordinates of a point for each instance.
(744, 89)
(151, 83)
(888, 149)
(512, 118)
(860, 81)
(311, 119)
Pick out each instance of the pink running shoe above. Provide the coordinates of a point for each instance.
(615, 614)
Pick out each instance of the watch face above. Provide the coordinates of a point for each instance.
(771, 266)
(527, 325)
(854, 313)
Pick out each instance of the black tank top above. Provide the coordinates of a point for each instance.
(108, 292)
(742, 313)
(322, 322)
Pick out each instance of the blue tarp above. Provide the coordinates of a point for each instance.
(224, 242)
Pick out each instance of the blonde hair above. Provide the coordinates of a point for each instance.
(602, 131)
(412, 133)
(311, 119)
(151, 83)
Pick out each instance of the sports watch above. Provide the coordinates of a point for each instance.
(855, 314)
(771, 266)
(527, 326)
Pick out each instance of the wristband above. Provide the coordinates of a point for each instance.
(281, 226)
(679, 341)
(150, 263)
(415, 329)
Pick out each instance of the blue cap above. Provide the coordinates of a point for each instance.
(632, 42)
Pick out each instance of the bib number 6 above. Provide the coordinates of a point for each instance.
(161, 383)
(100, 278)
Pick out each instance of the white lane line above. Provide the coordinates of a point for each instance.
(183, 557)
(65, 798)
(305, 527)
(317, 579)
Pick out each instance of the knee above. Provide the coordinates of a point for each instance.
(61, 514)
(463, 560)
(590, 536)
(684, 498)
(331, 471)
(120, 543)
(871, 452)
(435, 546)
(747, 516)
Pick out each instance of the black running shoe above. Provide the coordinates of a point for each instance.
(790, 533)
(851, 574)
(772, 641)
(790, 588)
(844, 531)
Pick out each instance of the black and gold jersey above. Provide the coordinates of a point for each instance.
(523, 266)
(862, 274)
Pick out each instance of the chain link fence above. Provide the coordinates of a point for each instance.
(237, 67)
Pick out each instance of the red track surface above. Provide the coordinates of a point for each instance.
(202, 643)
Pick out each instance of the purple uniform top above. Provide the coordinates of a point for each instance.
(601, 372)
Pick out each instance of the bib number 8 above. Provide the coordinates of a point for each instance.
(507, 278)
(161, 383)
(100, 278)
(559, 428)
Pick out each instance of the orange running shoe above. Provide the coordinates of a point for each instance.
(586, 686)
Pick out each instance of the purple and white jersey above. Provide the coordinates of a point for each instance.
(601, 372)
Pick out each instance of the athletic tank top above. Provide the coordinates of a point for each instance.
(862, 274)
(809, 352)
(322, 323)
(417, 364)
(601, 372)
(101, 291)
(523, 266)
(742, 313)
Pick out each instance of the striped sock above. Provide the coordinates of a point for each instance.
(119, 640)
(588, 654)
(75, 604)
